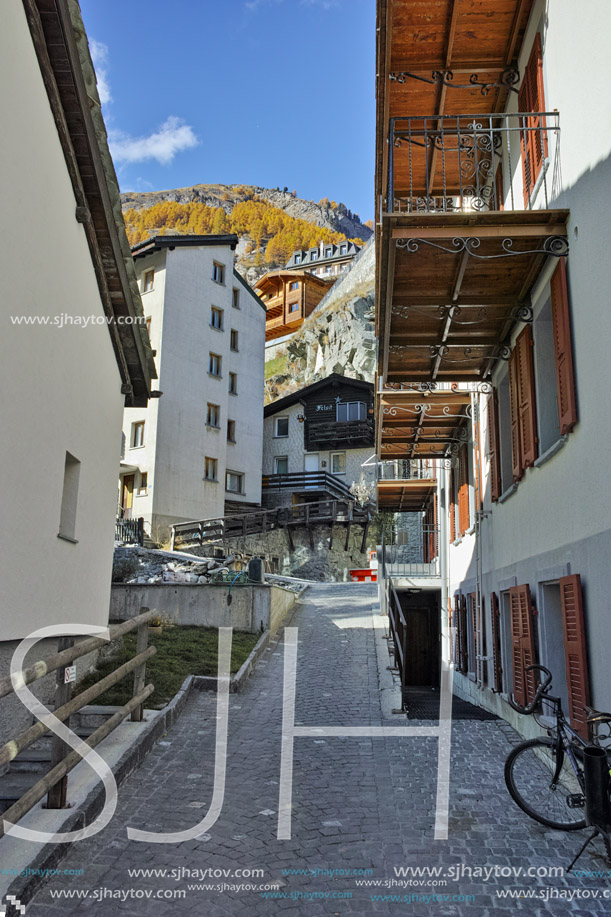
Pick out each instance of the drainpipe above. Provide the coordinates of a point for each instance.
(444, 569)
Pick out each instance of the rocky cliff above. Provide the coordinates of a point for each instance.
(338, 337)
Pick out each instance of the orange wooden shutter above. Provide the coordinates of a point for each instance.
(526, 396)
(483, 641)
(457, 623)
(517, 466)
(567, 405)
(575, 652)
(522, 643)
(533, 134)
(496, 642)
(463, 491)
(494, 451)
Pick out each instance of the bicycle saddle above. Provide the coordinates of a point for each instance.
(597, 716)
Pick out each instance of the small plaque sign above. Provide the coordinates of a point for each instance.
(69, 674)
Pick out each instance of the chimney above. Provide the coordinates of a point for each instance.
(322, 244)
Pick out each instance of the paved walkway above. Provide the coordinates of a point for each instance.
(359, 804)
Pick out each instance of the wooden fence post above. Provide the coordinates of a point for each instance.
(56, 797)
(140, 672)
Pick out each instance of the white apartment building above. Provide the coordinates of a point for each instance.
(73, 353)
(199, 447)
(506, 387)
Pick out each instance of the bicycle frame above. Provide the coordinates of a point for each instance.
(565, 740)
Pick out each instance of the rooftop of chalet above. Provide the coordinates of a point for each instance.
(325, 252)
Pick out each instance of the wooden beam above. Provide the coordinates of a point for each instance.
(506, 230)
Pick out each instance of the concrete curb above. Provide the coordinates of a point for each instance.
(210, 682)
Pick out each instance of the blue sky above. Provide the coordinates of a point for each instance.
(263, 92)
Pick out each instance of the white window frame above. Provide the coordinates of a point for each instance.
(281, 458)
(238, 474)
(219, 361)
(348, 405)
(218, 272)
(333, 456)
(215, 312)
(215, 465)
(216, 409)
(276, 422)
(150, 272)
(137, 424)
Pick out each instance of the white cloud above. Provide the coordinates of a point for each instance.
(173, 137)
(99, 56)
(324, 4)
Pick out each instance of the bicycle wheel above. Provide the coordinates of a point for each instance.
(529, 771)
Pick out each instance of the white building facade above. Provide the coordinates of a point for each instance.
(198, 447)
(72, 356)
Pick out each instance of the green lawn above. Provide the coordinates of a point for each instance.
(277, 366)
(181, 651)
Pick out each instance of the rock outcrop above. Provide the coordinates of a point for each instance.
(338, 337)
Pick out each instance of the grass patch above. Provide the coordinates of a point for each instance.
(181, 651)
(278, 366)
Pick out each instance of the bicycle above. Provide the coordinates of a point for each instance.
(544, 776)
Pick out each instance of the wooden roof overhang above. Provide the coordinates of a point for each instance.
(452, 286)
(60, 42)
(406, 496)
(443, 57)
(418, 425)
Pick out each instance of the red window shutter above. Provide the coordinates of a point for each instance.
(457, 623)
(567, 403)
(494, 452)
(517, 465)
(522, 643)
(483, 641)
(473, 610)
(496, 642)
(575, 652)
(464, 645)
(526, 397)
(533, 133)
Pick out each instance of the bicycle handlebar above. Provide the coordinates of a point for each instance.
(541, 690)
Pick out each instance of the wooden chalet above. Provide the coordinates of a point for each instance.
(289, 297)
(463, 225)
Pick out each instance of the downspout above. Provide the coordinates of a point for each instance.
(444, 567)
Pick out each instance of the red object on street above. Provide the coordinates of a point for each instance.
(364, 576)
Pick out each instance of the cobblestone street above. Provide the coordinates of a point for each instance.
(358, 803)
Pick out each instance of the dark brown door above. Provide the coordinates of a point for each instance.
(422, 646)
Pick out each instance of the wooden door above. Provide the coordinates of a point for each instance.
(311, 465)
(127, 499)
(422, 645)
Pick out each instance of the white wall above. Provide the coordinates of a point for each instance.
(60, 386)
(177, 439)
(558, 520)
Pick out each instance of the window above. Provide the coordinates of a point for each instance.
(294, 285)
(148, 281)
(231, 431)
(343, 249)
(294, 307)
(234, 482)
(282, 426)
(67, 518)
(297, 259)
(464, 485)
(548, 424)
(338, 463)
(235, 302)
(216, 318)
(351, 410)
(210, 469)
(143, 489)
(328, 269)
(328, 252)
(233, 383)
(214, 365)
(533, 133)
(281, 464)
(213, 416)
(233, 342)
(137, 434)
(314, 255)
(148, 325)
(523, 416)
(218, 272)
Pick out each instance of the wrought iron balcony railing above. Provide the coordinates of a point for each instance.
(466, 163)
(407, 470)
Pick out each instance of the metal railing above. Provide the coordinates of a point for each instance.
(208, 531)
(450, 162)
(129, 531)
(411, 551)
(398, 633)
(335, 434)
(407, 470)
(306, 480)
(54, 783)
